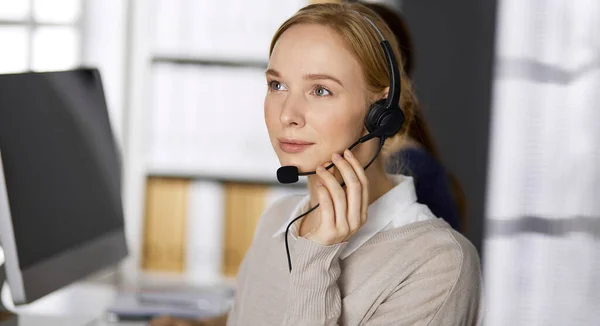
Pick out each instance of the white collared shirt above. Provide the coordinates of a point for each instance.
(396, 208)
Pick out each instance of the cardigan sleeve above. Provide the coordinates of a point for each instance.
(314, 296)
(443, 290)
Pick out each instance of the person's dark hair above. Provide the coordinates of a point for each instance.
(419, 129)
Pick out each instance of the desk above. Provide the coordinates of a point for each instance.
(33, 320)
(84, 302)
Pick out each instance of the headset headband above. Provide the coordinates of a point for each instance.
(393, 97)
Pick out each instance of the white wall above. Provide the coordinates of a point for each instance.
(114, 38)
(103, 46)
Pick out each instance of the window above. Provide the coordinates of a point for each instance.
(39, 35)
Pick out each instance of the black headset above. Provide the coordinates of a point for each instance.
(384, 119)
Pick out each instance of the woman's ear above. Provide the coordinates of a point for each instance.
(385, 92)
(374, 97)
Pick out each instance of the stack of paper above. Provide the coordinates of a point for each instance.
(189, 305)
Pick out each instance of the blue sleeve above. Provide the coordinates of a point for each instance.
(431, 183)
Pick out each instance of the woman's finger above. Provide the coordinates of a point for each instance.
(331, 169)
(353, 194)
(338, 196)
(326, 208)
(364, 181)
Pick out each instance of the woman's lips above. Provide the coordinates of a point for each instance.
(293, 146)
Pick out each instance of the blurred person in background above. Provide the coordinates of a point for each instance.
(418, 156)
(370, 253)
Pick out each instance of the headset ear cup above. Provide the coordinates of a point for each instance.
(376, 112)
(384, 122)
(391, 122)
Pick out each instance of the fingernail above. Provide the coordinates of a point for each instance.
(320, 169)
(319, 184)
(336, 156)
(348, 154)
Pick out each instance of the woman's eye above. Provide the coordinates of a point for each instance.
(275, 85)
(321, 91)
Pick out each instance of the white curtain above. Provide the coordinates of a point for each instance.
(542, 244)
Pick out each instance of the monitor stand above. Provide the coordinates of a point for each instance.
(10, 318)
(4, 210)
(5, 313)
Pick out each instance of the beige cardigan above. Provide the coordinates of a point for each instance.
(423, 273)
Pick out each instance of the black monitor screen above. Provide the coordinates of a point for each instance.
(61, 166)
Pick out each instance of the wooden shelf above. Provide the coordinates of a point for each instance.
(203, 176)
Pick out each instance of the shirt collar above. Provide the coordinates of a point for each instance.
(383, 211)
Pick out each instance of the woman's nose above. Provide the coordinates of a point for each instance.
(292, 112)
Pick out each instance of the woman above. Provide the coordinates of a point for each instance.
(418, 157)
(369, 254)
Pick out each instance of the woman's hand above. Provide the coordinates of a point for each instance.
(342, 212)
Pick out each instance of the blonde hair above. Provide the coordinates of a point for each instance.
(362, 40)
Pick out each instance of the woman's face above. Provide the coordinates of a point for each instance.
(317, 97)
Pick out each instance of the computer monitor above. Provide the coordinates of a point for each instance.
(61, 216)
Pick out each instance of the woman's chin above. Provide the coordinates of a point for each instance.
(302, 166)
(305, 162)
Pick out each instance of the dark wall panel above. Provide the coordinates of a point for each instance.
(453, 77)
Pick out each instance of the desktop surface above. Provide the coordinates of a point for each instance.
(87, 302)
(26, 320)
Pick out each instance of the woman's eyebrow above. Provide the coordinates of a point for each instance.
(322, 76)
(275, 73)
(272, 72)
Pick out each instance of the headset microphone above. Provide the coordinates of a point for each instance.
(289, 173)
(384, 119)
